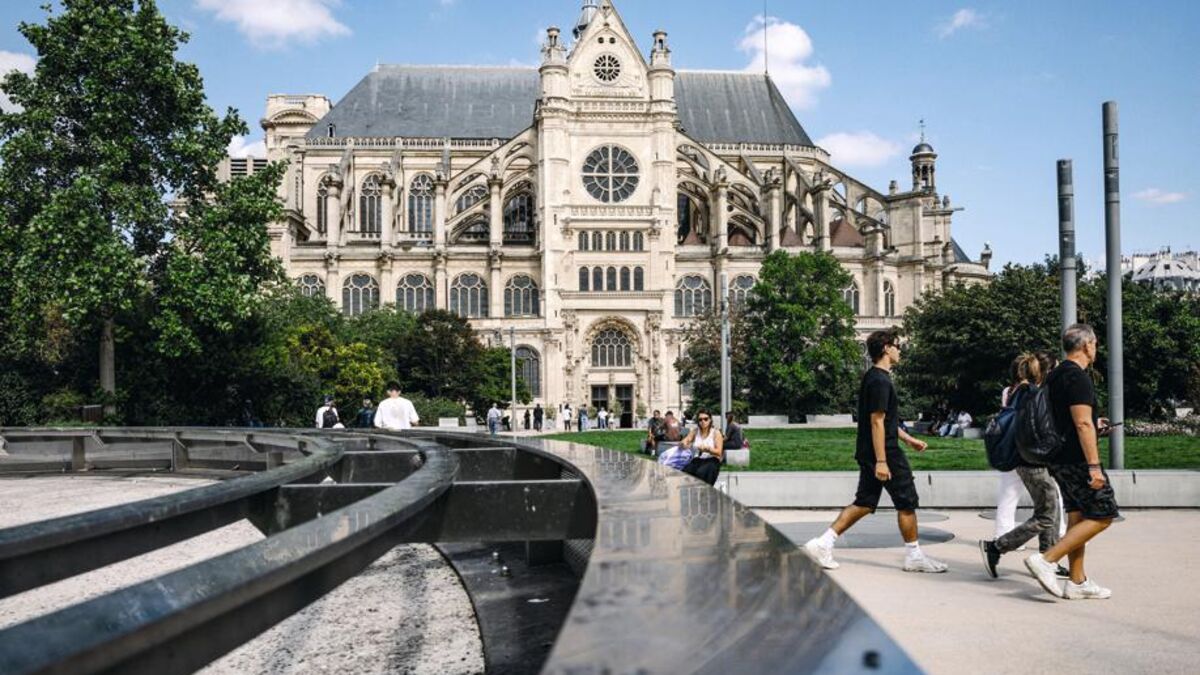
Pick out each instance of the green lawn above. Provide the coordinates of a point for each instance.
(833, 450)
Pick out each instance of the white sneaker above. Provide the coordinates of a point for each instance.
(923, 563)
(1045, 573)
(1088, 590)
(822, 555)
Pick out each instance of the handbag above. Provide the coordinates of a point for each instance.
(675, 457)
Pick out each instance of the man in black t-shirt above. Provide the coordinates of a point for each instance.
(882, 464)
(1087, 495)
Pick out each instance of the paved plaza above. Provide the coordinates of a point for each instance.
(965, 622)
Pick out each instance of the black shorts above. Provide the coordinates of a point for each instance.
(1074, 481)
(901, 488)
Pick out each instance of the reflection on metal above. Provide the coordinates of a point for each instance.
(669, 574)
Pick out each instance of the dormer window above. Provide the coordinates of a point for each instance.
(330, 131)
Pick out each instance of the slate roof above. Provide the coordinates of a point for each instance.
(960, 256)
(487, 102)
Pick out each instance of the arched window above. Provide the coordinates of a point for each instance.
(414, 293)
(624, 241)
(583, 241)
(469, 297)
(521, 297)
(322, 208)
(529, 369)
(370, 207)
(611, 349)
(639, 241)
(311, 286)
(639, 279)
(850, 295)
(739, 290)
(471, 197)
(691, 220)
(610, 241)
(477, 231)
(597, 278)
(889, 299)
(625, 279)
(518, 219)
(612, 279)
(583, 279)
(360, 294)
(693, 296)
(597, 241)
(420, 205)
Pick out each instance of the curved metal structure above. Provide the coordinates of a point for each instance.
(669, 574)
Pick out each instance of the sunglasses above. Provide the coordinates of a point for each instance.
(705, 419)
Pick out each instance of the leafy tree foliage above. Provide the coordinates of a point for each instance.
(109, 200)
(962, 340)
(701, 362)
(794, 347)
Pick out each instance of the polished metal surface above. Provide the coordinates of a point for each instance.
(675, 576)
(683, 579)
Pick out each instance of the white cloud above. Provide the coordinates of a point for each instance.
(859, 149)
(10, 61)
(787, 50)
(963, 18)
(1159, 197)
(242, 146)
(273, 23)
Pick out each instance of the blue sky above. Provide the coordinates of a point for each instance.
(1006, 88)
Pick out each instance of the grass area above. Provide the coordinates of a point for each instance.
(833, 450)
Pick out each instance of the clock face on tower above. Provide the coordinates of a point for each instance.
(607, 68)
(610, 174)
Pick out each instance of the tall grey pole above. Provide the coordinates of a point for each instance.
(1112, 227)
(1066, 242)
(512, 356)
(726, 387)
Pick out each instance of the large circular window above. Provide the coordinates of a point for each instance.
(607, 68)
(610, 174)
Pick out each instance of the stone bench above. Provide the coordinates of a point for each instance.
(447, 422)
(973, 432)
(738, 457)
(830, 419)
(767, 421)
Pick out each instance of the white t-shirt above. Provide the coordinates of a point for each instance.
(603, 414)
(321, 414)
(494, 414)
(396, 414)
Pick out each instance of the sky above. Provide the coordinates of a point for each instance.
(1004, 88)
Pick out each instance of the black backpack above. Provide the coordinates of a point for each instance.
(1000, 437)
(1038, 437)
(329, 419)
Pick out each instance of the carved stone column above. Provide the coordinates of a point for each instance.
(496, 296)
(386, 235)
(495, 213)
(387, 282)
(333, 281)
(440, 290)
(774, 210)
(333, 212)
(439, 212)
(720, 216)
(821, 217)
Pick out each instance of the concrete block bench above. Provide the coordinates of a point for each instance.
(767, 421)
(738, 457)
(447, 422)
(973, 432)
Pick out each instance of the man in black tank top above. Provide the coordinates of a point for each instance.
(882, 464)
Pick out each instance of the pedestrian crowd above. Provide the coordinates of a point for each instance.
(1044, 440)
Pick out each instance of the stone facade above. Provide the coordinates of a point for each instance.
(608, 182)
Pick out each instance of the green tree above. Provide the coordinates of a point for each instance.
(700, 363)
(108, 192)
(801, 350)
(962, 340)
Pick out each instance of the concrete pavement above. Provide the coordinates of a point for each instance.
(965, 622)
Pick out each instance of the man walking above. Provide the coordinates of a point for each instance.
(493, 419)
(538, 415)
(365, 417)
(327, 414)
(1087, 494)
(395, 413)
(882, 464)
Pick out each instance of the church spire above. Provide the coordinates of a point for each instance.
(585, 17)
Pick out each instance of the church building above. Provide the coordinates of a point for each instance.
(595, 204)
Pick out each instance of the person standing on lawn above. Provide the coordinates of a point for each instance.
(1086, 491)
(882, 464)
